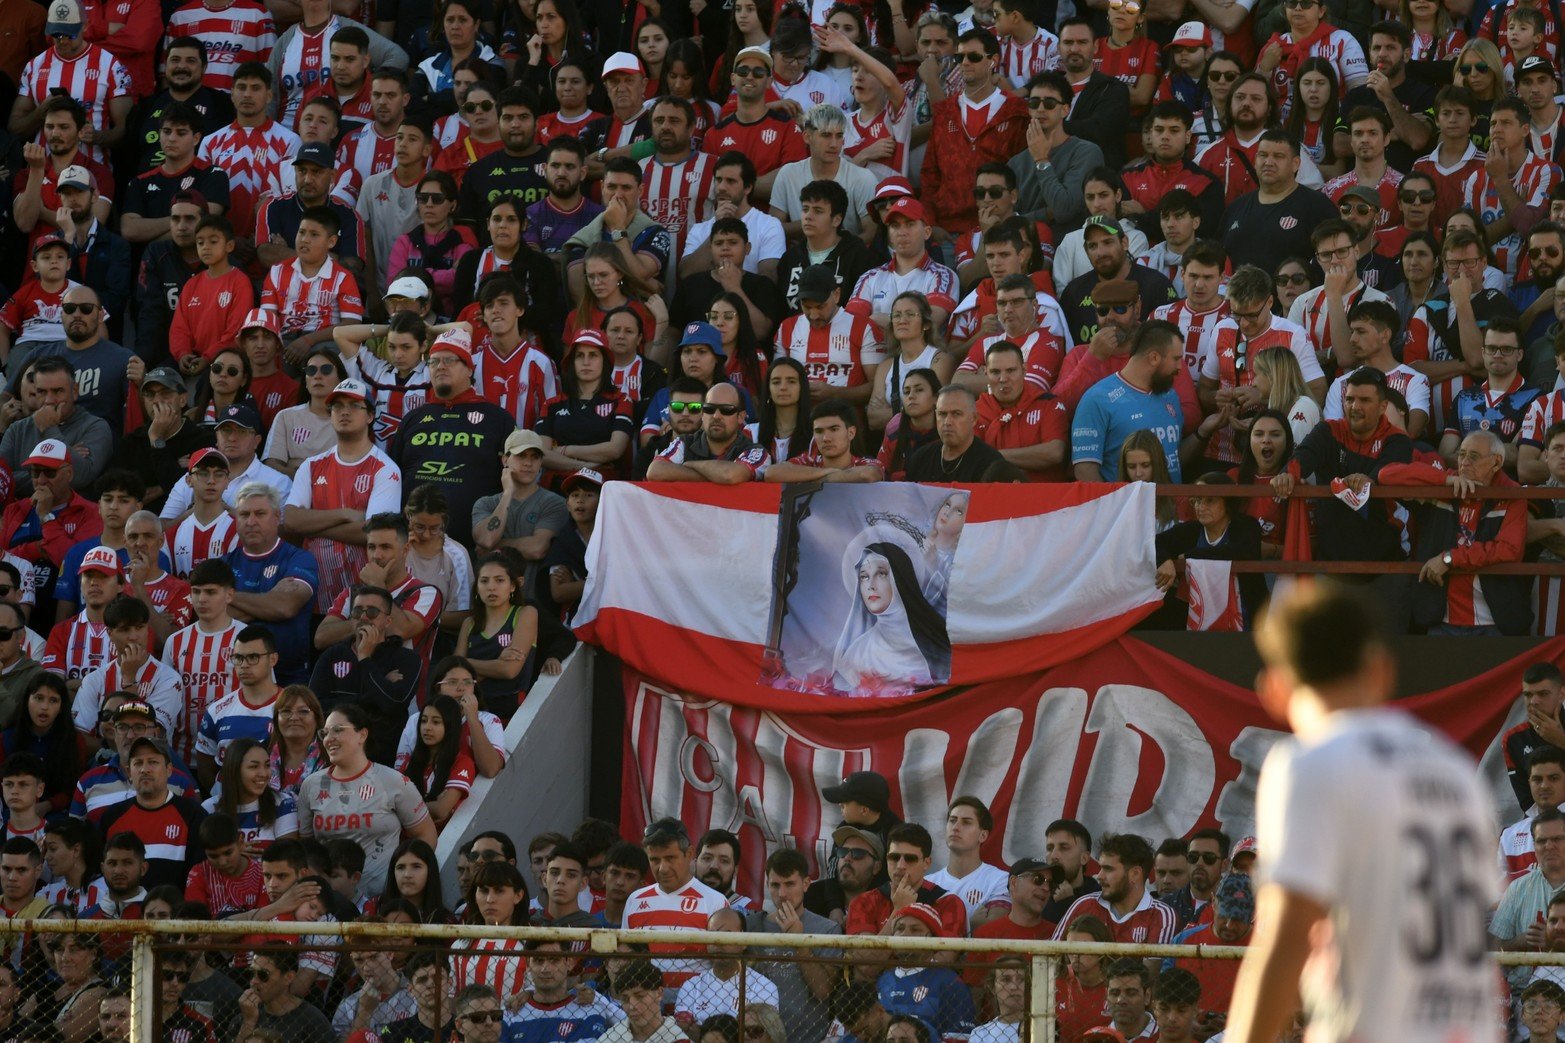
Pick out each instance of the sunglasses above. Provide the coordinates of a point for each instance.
(1297, 5)
(1125, 5)
(684, 407)
(1206, 858)
(1423, 195)
(227, 371)
(1221, 77)
(431, 197)
(1047, 104)
(754, 1032)
(752, 72)
(852, 854)
(1296, 279)
(483, 1017)
(724, 410)
(974, 57)
(6, 633)
(367, 612)
(1468, 70)
(170, 974)
(321, 370)
(78, 309)
(994, 192)
(477, 106)
(904, 856)
(1118, 309)
(1248, 316)
(6, 590)
(1543, 251)
(1356, 208)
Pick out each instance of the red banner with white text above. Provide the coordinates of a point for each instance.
(1125, 738)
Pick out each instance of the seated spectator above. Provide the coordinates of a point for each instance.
(932, 994)
(296, 750)
(168, 437)
(1124, 902)
(306, 430)
(910, 346)
(638, 986)
(1498, 405)
(958, 455)
(910, 268)
(41, 725)
(162, 818)
(590, 424)
(226, 385)
(415, 606)
(435, 558)
(648, 245)
(415, 879)
(1029, 426)
(907, 862)
(129, 667)
(229, 880)
(1007, 989)
(721, 452)
(482, 732)
(79, 645)
(721, 989)
(56, 419)
(739, 342)
(124, 864)
(1218, 532)
(498, 897)
(498, 639)
(440, 768)
(823, 211)
(109, 784)
(77, 998)
(243, 793)
(728, 272)
(830, 458)
(913, 426)
(371, 669)
(1233, 913)
(271, 1004)
(23, 798)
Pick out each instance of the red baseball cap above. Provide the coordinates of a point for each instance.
(263, 319)
(454, 342)
(907, 208)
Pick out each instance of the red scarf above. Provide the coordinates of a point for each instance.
(1293, 54)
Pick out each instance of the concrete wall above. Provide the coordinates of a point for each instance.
(544, 783)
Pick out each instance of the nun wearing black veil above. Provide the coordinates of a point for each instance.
(892, 637)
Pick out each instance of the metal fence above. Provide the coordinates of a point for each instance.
(247, 982)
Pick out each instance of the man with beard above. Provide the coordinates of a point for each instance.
(1207, 857)
(99, 257)
(1273, 220)
(676, 181)
(733, 182)
(1536, 85)
(1104, 238)
(859, 855)
(516, 170)
(1051, 171)
(250, 147)
(372, 148)
(1389, 88)
(769, 138)
(1369, 131)
(1233, 913)
(1029, 426)
(1232, 157)
(184, 69)
(1499, 404)
(277, 222)
(1535, 297)
(455, 439)
(1125, 903)
(720, 452)
(1140, 396)
(103, 369)
(717, 864)
(1101, 107)
(1511, 189)
(1360, 210)
(1067, 848)
(552, 220)
(37, 199)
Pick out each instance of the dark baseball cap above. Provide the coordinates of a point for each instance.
(1023, 866)
(243, 414)
(866, 787)
(158, 746)
(665, 831)
(1536, 63)
(817, 282)
(317, 152)
(167, 376)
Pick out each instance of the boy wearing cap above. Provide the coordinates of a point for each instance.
(213, 304)
(206, 530)
(839, 350)
(910, 268)
(333, 492)
(523, 515)
(166, 822)
(260, 337)
(31, 315)
(85, 72)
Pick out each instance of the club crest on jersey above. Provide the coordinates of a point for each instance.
(768, 136)
(269, 572)
(688, 904)
(171, 831)
(475, 417)
(1288, 223)
(920, 992)
(341, 670)
(566, 1028)
(224, 299)
(361, 484)
(1138, 934)
(367, 791)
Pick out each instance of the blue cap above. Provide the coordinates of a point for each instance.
(1235, 898)
(318, 153)
(704, 333)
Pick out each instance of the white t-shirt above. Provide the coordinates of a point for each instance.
(996, 1032)
(986, 885)
(767, 241)
(707, 994)
(859, 183)
(1387, 825)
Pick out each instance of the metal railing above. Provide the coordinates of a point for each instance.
(146, 936)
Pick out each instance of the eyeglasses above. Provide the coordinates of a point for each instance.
(1543, 251)
(904, 856)
(684, 407)
(1206, 858)
(134, 727)
(457, 682)
(725, 410)
(973, 57)
(477, 106)
(367, 612)
(1454, 263)
(1341, 251)
(321, 370)
(1296, 5)
(1501, 349)
(852, 854)
(1213, 76)
(227, 371)
(1047, 104)
(483, 1017)
(1357, 208)
(78, 309)
(992, 192)
(170, 974)
(1422, 195)
(441, 361)
(752, 72)
(260, 974)
(327, 733)
(298, 710)
(418, 529)
(431, 197)
(1468, 70)
(1118, 309)
(1296, 279)
(248, 658)
(1248, 316)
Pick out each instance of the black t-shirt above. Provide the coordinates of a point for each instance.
(696, 292)
(850, 257)
(1082, 316)
(1379, 271)
(217, 112)
(1053, 911)
(1416, 97)
(152, 193)
(593, 421)
(456, 447)
(1266, 234)
(927, 465)
(500, 175)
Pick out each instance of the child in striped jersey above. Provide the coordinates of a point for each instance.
(498, 899)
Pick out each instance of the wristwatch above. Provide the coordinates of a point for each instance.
(616, 236)
(1446, 557)
(1041, 167)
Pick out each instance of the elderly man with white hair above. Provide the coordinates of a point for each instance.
(825, 133)
(274, 581)
(1466, 532)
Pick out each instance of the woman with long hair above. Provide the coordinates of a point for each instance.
(226, 383)
(746, 361)
(557, 32)
(1279, 379)
(1128, 55)
(784, 425)
(1263, 456)
(1480, 69)
(893, 639)
(1142, 459)
(573, 93)
(911, 347)
(1436, 36)
(497, 639)
(608, 283)
(497, 897)
(1420, 275)
(439, 766)
(847, 19)
(415, 879)
(652, 43)
(41, 725)
(1292, 281)
(72, 1004)
(244, 793)
(913, 426)
(504, 223)
(482, 111)
(437, 242)
(457, 677)
(1223, 70)
(1312, 114)
(304, 430)
(1218, 530)
(685, 76)
(297, 720)
(591, 423)
(398, 377)
(749, 25)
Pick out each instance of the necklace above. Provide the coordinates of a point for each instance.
(954, 464)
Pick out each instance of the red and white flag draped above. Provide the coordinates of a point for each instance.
(854, 595)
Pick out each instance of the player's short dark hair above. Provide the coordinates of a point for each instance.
(218, 830)
(1173, 110)
(1361, 113)
(1329, 229)
(346, 855)
(730, 226)
(623, 165)
(829, 192)
(637, 974)
(395, 75)
(257, 632)
(787, 861)
(1504, 324)
(1130, 967)
(1156, 335)
(1178, 200)
(1054, 80)
(125, 611)
(1001, 171)
(1323, 633)
(1130, 849)
(22, 846)
(851, 1000)
(984, 38)
(1177, 988)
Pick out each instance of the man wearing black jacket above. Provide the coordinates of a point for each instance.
(165, 268)
(1101, 112)
(371, 668)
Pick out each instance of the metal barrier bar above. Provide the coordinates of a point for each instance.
(143, 988)
(1390, 568)
(1042, 997)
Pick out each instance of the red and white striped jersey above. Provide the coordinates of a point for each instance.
(519, 383)
(1230, 361)
(1043, 353)
(1409, 382)
(395, 397)
(190, 543)
(893, 124)
(356, 107)
(155, 684)
(305, 62)
(1311, 309)
(1516, 853)
(241, 32)
(249, 156)
(170, 595)
(553, 125)
(496, 962)
(488, 263)
(326, 482)
(678, 195)
(1546, 410)
(94, 78)
(843, 353)
(311, 302)
(686, 909)
(1340, 49)
(1020, 62)
(879, 287)
(80, 898)
(1532, 181)
(77, 647)
(201, 660)
(1150, 922)
(365, 152)
(1197, 327)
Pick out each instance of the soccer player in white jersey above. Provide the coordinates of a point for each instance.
(1402, 880)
